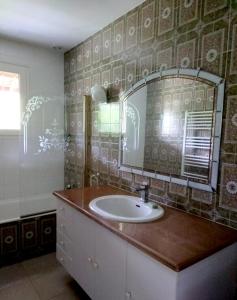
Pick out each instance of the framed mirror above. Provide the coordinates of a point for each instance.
(171, 127)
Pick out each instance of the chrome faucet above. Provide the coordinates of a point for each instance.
(143, 189)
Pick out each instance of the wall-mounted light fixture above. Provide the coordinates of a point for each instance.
(98, 94)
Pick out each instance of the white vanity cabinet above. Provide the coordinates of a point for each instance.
(64, 236)
(83, 252)
(108, 267)
(148, 279)
(97, 258)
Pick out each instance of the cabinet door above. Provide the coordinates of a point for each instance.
(84, 252)
(147, 278)
(64, 242)
(111, 265)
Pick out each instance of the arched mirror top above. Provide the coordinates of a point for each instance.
(171, 127)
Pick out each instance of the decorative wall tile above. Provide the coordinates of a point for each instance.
(117, 80)
(186, 54)
(202, 196)
(67, 64)
(76, 125)
(158, 184)
(73, 62)
(113, 166)
(127, 176)
(188, 11)
(210, 98)
(164, 59)
(146, 65)
(80, 58)
(198, 100)
(9, 239)
(228, 194)
(168, 34)
(118, 37)
(87, 85)
(96, 79)
(231, 120)
(166, 16)
(66, 92)
(97, 48)
(48, 230)
(21, 239)
(212, 51)
(212, 6)
(104, 157)
(95, 155)
(73, 89)
(233, 62)
(29, 234)
(148, 22)
(95, 124)
(107, 43)
(130, 73)
(106, 78)
(80, 88)
(131, 30)
(141, 179)
(87, 53)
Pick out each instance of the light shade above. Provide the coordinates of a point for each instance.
(98, 93)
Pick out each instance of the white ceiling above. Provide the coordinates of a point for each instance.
(62, 23)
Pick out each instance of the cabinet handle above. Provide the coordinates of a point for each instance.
(95, 265)
(128, 295)
(89, 259)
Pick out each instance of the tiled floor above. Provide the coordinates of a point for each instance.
(40, 278)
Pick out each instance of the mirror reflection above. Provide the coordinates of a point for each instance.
(168, 126)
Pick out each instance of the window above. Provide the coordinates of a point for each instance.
(12, 92)
(109, 118)
(9, 101)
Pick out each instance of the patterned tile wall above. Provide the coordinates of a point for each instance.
(27, 238)
(158, 34)
(167, 102)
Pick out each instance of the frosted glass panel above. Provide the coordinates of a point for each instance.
(42, 153)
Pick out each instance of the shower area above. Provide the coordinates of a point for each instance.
(32, 150)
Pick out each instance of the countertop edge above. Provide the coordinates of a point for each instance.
(147, 250)
(132, 241)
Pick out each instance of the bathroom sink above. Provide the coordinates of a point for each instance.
(124, 208)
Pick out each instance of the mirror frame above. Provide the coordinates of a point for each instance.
(195, 74)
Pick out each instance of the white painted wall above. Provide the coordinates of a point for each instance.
(26, 179)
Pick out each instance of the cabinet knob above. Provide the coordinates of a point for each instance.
(61, 208)
(62, 226)
(95, 265)
(61, 243)
(89, 259)
(128, 295)
(61, 259)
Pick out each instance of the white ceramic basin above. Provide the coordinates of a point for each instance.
(126, 209)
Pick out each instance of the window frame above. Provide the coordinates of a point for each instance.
(23, 88)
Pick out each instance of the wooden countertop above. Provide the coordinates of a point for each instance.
(177, 240)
